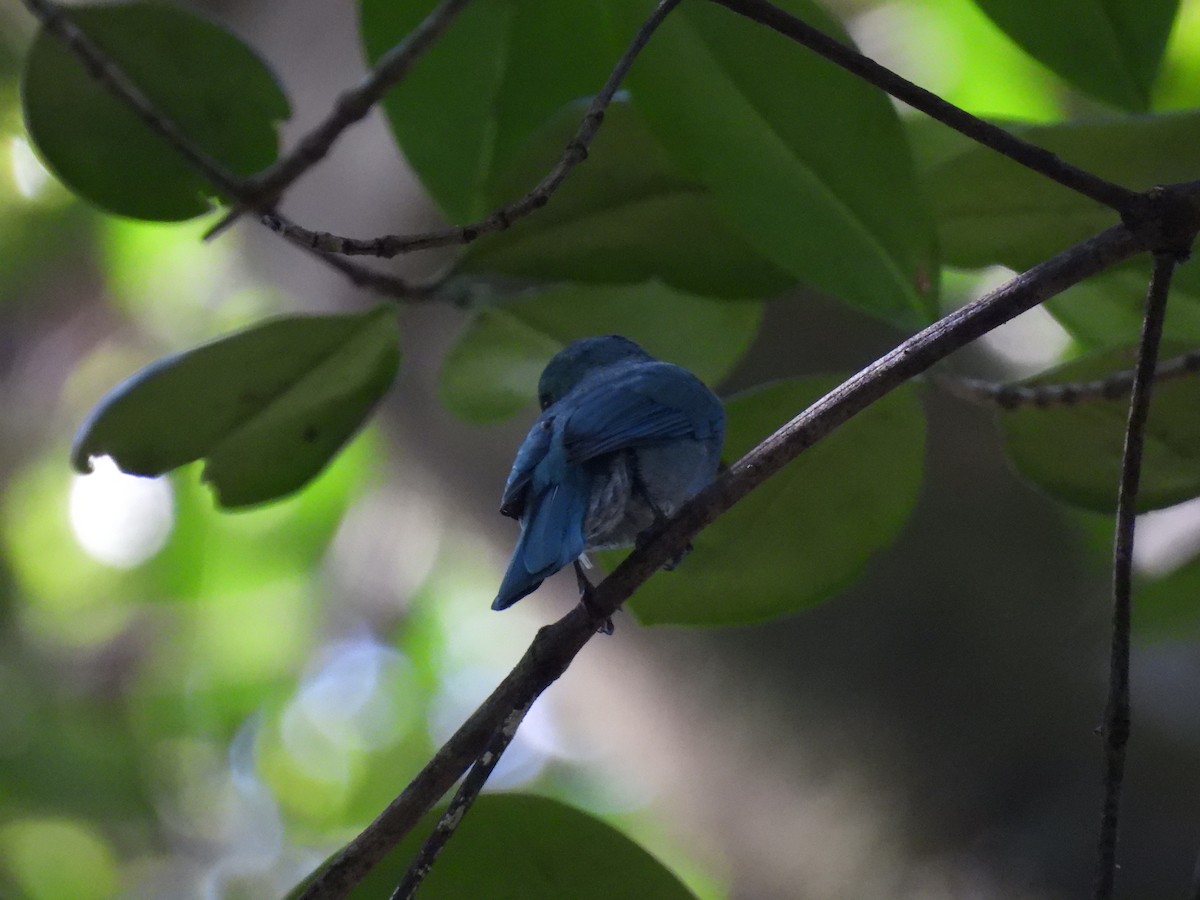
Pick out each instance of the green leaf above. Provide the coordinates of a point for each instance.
(210, 84)
(991, 210)
(502, 69)
(1110, 49)
(534, 848)
(267, 407)
(493, 370)
(1074, 452)
(1169, 607)
(808, 162)
(809, 532)
(1106, 311)
(623, 218)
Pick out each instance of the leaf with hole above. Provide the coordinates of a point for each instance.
(810, 531)
(492, 372)
(1110, 49)
(267, 407)
(807, 162)
(1074, 452)
(624, 217)
(211, 85)
(501, 71)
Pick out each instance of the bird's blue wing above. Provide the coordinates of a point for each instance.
(647, 404)
(531, 452)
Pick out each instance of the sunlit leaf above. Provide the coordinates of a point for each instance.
(201, 77)
(535, 848)
(991, 210)
(503, 69)
(809, 163)
(1106, 311)
(266, 407)
(1108, 48)
(808, 533)
(493, 370)
(1074, 452)
(623, 218)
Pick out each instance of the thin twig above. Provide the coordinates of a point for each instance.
(556, 645)
(1011, 396)
(1114, 196)
(350, 107)
(576, 152)
(112, 78)
(468, 791)
(1117, 709)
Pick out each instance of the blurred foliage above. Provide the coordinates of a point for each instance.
(213, 701)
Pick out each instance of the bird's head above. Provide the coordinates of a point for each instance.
(580, 358)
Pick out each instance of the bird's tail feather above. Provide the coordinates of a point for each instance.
(551, 537)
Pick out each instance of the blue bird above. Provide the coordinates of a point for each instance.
(623, 440)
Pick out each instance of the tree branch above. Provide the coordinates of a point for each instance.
(556, 645)
(1126, 202)
(576, 152)
(1012, 396)
(352, 106)
(1117, 710)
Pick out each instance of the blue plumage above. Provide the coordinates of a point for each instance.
(622, 441)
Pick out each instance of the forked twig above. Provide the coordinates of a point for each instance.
(350, 107)
(576, 152)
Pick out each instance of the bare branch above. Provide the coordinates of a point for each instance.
(351, 107)
(1011, 396)
(463, 799)
(556, 645)
(576, 152)
(1123, 200)
(1117, 710)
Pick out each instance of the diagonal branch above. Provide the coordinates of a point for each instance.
(556, 645)
(1117, 710)
(1011, 396)
(576, 152)
(1124, 201)
(351, 107)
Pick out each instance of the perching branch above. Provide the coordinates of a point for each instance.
(352, 106)
(1011, 396)
(112, 78)
(556, 645)
(467, 792)
(1124, 201)
(576, 152)
(1117, 710)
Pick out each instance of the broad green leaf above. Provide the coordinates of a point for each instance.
(810, 531)
(623, 218)
(534, 848)
(493, 370)
(1169, 607)
(809, 163)
(267, 407)
(205, 80)
(1110, 49)
(1074, 452)
(1106, 311)
(502, 69)
(991, 210)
